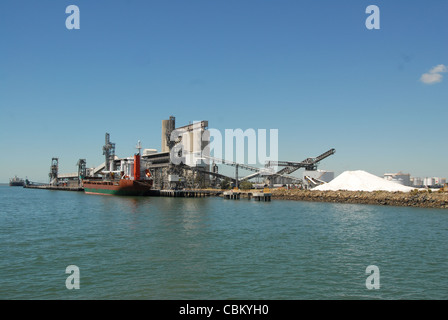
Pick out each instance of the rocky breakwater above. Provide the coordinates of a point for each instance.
(362, 187)
(415, 198)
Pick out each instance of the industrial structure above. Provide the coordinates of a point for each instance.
(311, 177)
(109, 153)
(315, 178)
(54, 168)
(406, 180)
(400, 177)
(181, 163)
(184, 162)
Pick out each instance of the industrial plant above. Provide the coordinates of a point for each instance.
(183, 163)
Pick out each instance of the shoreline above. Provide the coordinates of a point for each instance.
(420, 199)
(417, 199)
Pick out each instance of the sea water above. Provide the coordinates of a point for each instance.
(211, 248)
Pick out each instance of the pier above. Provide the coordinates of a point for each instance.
(232, 195)
(193, 193)
(260, 196)
(50, 187)
(184, 193)
(236, 195)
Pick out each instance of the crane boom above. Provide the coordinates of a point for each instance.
(308, 163)
(290, 166)
(233, 164)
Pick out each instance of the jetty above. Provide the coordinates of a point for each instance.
(194, 193)
(50, 187)
(257, 195)
(264, 195)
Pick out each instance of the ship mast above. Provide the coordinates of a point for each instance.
(138, 146)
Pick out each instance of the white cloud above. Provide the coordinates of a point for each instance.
(438, 69)
(431, 78)
(434, 75)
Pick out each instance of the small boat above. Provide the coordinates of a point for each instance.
(16, 182)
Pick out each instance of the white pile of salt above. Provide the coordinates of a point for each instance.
(360, 180)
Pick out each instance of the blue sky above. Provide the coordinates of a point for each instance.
(310, 69)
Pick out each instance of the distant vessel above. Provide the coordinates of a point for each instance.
(128, 181)
(16, 182)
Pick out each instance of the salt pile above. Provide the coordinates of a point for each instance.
(360, 180)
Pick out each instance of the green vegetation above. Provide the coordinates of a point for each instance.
(246, 185)
(226, 184)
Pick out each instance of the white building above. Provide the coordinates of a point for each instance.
(434, 181)
(416, 182)
(428, 181)
(400, 177)
(439, 181)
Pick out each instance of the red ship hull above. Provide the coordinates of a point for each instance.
(121, 187)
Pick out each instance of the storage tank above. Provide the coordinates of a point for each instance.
(167, 127)
(428, 181)
(165, 124)
(418, 182)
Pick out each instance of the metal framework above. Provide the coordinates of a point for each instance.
(82, 169)
(257, 171)
(108, 152)
(54, 171)
(308, 163)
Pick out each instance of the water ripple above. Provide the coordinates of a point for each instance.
(163, 248)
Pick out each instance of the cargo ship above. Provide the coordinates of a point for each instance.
(129, 181)
(16, 182)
